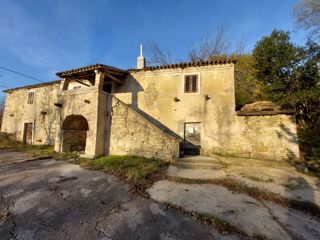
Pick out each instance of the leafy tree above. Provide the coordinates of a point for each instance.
(290, 74)
(307, 14)
(247, 88)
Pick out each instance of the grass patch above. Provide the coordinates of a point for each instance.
(219, 224)
(139, 172)
(130, 167)
(6, 143)
(292, 186)
(256, 193)
(216, 222)
(258, 179)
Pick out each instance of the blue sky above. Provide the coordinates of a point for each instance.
(41, 37)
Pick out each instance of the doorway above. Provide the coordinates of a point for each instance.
(74, 134)
(192, 138)
(27, 133)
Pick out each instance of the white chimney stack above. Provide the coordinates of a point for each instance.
(141, 62)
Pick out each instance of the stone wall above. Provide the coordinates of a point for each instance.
(266, 137)
(42, 113)
(89, 103)
(133, 134)
(159, 93)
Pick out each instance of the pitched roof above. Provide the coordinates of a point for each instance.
(124, 72)
(186, 64)
(34, 86)
(91, 68)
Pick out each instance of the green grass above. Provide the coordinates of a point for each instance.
(219, 223)
(129, 167)
(292, 186)
(34, 150)
(258, 179)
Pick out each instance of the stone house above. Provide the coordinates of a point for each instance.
(163, 112)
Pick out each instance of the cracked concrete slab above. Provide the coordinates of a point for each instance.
(246, 213)
(195, 173)
(85, 205)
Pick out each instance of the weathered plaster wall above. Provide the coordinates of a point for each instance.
(222, 131)
(132, 134)
(154, 91)
(17, 112)
(268, 137)
(91, 104)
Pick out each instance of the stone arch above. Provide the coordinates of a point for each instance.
(74, 133)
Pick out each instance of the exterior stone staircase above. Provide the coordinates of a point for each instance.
(199, 162)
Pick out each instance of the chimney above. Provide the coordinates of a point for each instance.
(141, 62)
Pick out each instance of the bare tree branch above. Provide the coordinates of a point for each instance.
(157, 56)
(209, 47)
(307, 14)
(240, 46)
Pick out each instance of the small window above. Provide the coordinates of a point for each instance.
(76, 87)
(30, 97)
(191, 84)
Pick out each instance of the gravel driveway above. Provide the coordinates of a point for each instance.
(49, 199)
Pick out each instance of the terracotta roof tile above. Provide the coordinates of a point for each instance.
(34, 86)
(90, 68)
(186, 64)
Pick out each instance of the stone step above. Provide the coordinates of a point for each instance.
(196, 160)
(213, 166)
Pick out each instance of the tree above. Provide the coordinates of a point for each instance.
(247, 88)
(290, 75)
(157, 56)
(217, 46)
(307, 14)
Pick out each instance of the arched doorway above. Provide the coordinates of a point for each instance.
(74, 133)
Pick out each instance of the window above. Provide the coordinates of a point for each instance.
(30, 97)
(191, 84)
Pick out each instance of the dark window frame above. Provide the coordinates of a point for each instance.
(191, 83)
(30, 99)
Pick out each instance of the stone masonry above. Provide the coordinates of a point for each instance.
(132, 134)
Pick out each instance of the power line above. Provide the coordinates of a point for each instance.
(9, 70)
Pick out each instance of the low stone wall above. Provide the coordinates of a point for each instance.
(133, 134)
(267, 136)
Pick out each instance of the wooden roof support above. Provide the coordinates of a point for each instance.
(112, 77)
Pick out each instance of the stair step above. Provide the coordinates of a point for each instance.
(196, 161)
(212, 166)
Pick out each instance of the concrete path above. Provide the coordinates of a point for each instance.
(273, 176)
(256, 218)
(48, 199)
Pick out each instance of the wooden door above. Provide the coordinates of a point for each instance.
(27, 133)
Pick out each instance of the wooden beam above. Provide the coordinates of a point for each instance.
(78, 81)
(113, 78)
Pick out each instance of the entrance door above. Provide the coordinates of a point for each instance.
(192, 138)
(27, 133)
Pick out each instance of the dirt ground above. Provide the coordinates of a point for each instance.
(49, 199)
